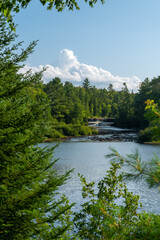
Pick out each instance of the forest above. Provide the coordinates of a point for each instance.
(72, 106)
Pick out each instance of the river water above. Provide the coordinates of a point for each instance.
(87, 157)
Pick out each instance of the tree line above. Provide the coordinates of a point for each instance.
(74, 105)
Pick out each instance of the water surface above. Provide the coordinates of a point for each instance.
(88, 158)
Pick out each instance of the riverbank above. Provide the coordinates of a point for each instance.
(103, 134)
(111, 133)
(63, 131)
(152, 143)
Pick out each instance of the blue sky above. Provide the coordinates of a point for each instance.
(120, 37)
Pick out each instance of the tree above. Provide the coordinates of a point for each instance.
(139, 103)
(125, 113)
(110, 87)
(56, 93)
(86, 84)
(8, 8)
(152, 132)
(155, 89)
(29, 207)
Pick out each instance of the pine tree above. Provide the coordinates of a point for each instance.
(29, 206)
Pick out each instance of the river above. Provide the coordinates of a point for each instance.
(87, 157)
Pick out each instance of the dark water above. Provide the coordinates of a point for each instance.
(88, 158)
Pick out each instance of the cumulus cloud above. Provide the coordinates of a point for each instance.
(70, 69)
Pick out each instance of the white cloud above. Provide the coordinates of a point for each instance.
(70, 69)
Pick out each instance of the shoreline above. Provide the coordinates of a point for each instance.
(152, 143)
(108, 134)
(104, 135)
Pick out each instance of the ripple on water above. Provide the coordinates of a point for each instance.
(88, 158)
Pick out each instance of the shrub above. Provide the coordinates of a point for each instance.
(112, 212)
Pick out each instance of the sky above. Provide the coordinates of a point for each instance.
(112, 43)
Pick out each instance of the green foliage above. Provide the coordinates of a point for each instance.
(8, 8)
(111, 212)
(76, 104)
(152, 110)
(133, 161)
(137, 168)
(61, 130)
(145, 135)
(148, 225)
(85, 130)
(55, 134)
(29, 206)
(125, 108)
(152, 132)
(148, 90)
(66, 130)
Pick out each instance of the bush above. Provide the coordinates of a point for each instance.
(85, 130)
(145, 135)
(55, 134)
(101, 217)
(60, 130)
(150, 134)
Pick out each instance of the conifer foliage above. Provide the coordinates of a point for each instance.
(29, 208)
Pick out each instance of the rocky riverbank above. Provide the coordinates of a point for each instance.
(116, 134)
(110, 134)
(115, 137)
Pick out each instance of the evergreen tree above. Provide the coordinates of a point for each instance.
(29, 207)
(56, 93)
(141, 97)
(86, 84)
(125, 115)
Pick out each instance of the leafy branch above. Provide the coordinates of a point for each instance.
(136, 169)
